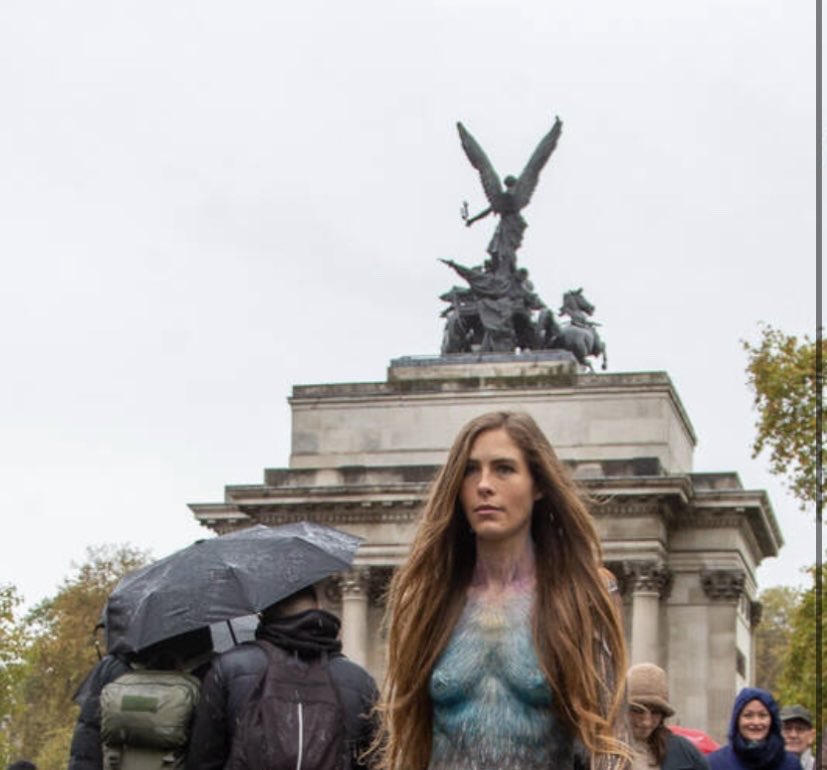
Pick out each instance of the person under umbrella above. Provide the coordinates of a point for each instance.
(654, 743)
(160, 615)
(291, 634)
(190, 651)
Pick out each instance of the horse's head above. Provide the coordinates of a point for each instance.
(574, 301)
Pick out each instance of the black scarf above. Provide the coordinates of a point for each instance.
(308, 634)
(759, 754)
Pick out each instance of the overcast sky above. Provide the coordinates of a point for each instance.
(204, 203)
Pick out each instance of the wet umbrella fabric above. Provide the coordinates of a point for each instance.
(222, 578)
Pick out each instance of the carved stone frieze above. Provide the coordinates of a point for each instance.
(723, 584)
(336, 516)
(619, 506)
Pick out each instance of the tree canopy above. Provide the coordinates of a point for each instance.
(786, 377)
(797, 680)
(46, 655)
(781, 372)
(13, 662)
(773, 634)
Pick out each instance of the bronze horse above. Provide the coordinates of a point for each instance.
(579, 336)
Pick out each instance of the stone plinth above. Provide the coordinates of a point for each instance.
(413, 417)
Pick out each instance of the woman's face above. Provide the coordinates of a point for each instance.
(497, 493)
(644, 721)
(754, 721)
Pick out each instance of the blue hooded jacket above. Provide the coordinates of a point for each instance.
(769, 754)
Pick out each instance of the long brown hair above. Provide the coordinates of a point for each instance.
(657, 742)
(572, 604)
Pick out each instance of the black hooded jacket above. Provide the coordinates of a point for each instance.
(235, 673)
(85, 752)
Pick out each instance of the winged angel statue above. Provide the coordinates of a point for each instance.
(499, 310)
(508, 202)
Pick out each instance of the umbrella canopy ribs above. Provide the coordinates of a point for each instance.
(222, 578)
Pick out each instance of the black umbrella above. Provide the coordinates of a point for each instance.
(226, 577)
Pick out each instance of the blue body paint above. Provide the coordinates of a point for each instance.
(491, 702)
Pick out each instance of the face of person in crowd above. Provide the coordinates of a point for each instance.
(498, 492)
(754, 721)
(644, 721)
(798, 735)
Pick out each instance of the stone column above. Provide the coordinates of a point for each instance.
(648, 580)
(354, 586)
(723, 589)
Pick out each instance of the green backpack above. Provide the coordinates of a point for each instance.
(145, 719)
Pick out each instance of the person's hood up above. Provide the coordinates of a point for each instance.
(745, 696)
(308, 634)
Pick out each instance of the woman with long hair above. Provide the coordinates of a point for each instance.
(505, 648)
(655, 745)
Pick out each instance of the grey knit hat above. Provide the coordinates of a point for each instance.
(646, 685)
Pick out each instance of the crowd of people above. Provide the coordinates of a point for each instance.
(505, 650)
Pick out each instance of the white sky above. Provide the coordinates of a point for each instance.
(203, 203)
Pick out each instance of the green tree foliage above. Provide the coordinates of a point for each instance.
(60, 652)
(773, 634)
(781, 372)
(797, 682)
(13, 666)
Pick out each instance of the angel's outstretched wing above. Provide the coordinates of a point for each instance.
(479, 160)
(525, 185)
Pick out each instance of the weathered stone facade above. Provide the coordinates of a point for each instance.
(684, 546)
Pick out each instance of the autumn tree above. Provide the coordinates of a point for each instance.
(61, 652)
(786, 378)
(773, 634)
(781, 372)
(13, 666)
(797, 681)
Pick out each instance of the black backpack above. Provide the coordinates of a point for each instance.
(293, 720)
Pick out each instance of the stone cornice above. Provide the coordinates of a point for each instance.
(679, 487)
(220, 517)
(754, 504)
(673, 499)
(293, 495)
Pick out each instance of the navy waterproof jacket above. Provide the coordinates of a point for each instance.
(769, 754)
